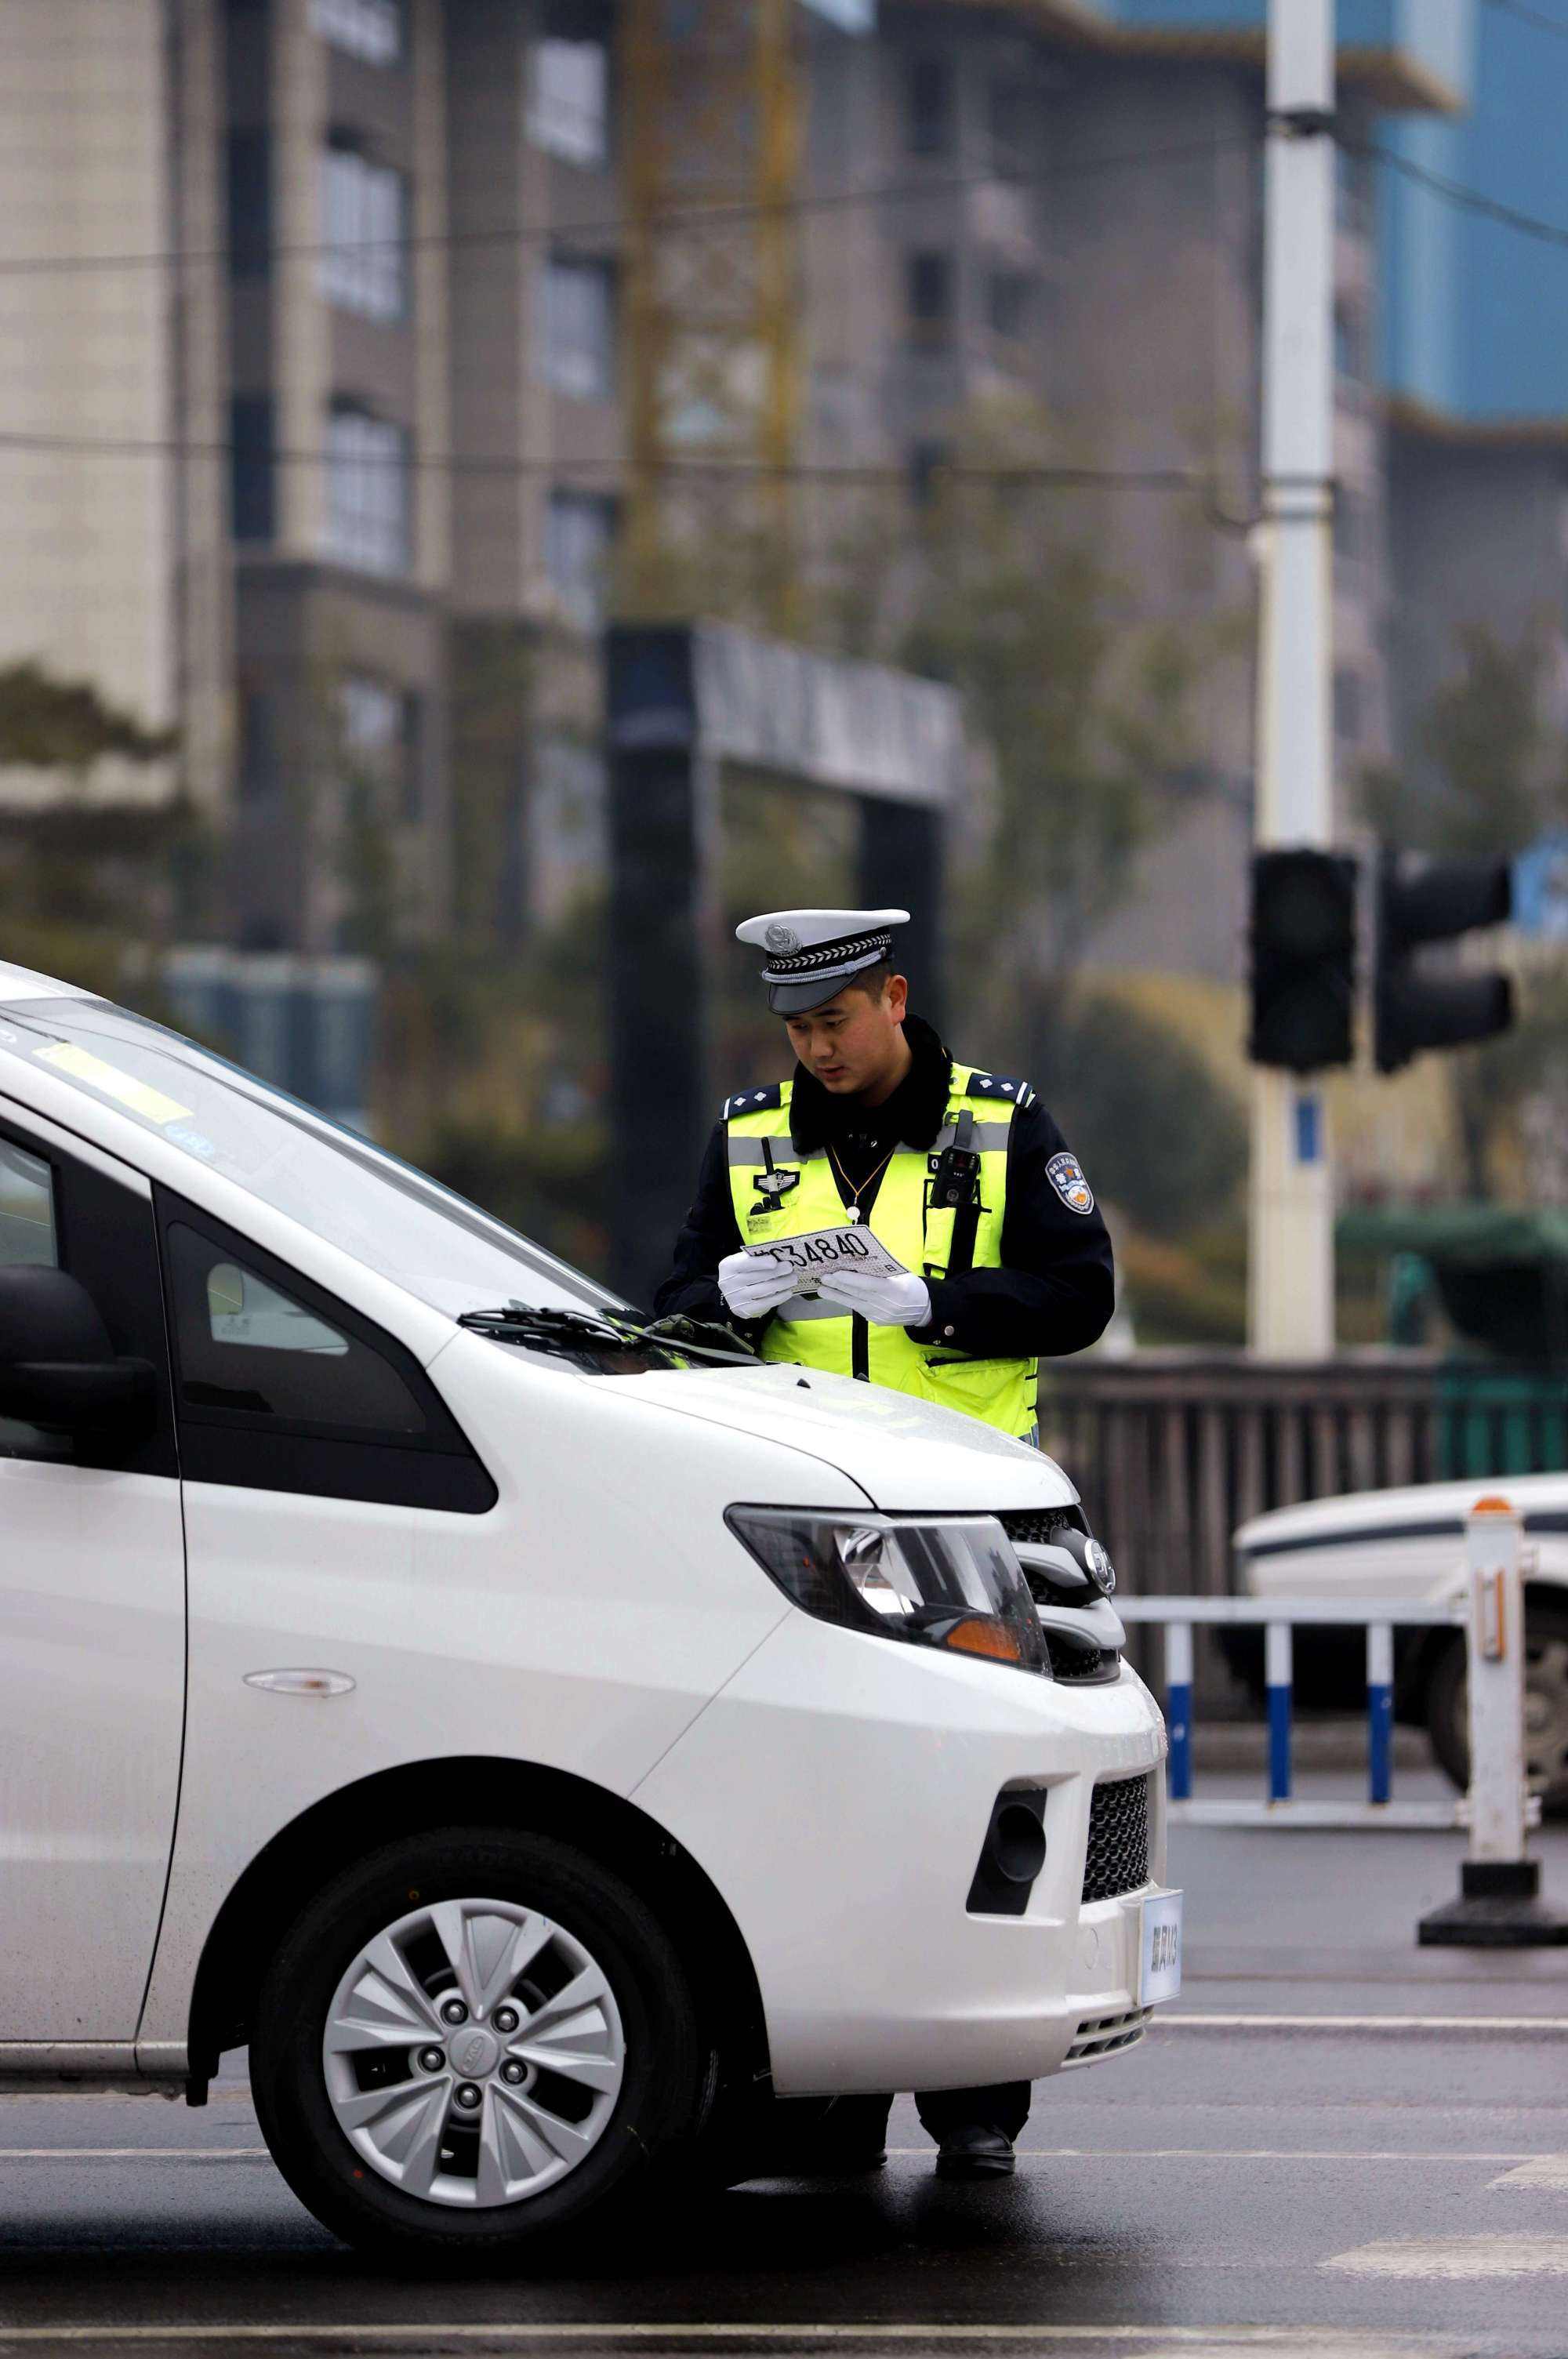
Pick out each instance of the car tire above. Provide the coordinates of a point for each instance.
(1545, 1710)
(601, 2083)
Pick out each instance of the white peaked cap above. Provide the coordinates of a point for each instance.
(812, 953)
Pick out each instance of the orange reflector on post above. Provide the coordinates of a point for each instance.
(980, 1635)
(1493, 1506)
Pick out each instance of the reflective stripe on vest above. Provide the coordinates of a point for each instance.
(1000, 1392)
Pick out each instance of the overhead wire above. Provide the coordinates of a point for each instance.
(1041, 476)
(683, 218)
(1525, 13)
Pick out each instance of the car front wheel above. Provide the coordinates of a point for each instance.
(1545, 1708)
(470, 2042)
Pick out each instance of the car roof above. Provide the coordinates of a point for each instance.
(23, 983)
(1415, 1503)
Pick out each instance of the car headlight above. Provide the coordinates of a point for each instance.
(951, 1583)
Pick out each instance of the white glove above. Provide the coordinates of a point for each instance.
(752, 1287)
(887, 1301)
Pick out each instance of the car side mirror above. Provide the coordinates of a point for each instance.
(57, 1368)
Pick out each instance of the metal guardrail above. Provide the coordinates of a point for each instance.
(1499, 1903)
(1278, 1616)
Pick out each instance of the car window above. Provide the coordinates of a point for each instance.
(246, 1347)
(391, 1218)
(29, 1232)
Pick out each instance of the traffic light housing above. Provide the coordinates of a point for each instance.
(1303, 959)
(1418, 901)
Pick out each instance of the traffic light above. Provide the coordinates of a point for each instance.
(1422, 900)
(1303, 959)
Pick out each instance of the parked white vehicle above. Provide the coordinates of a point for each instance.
(1409, 1544)
(545, 1753)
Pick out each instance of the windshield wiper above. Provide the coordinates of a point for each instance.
(573, 1331)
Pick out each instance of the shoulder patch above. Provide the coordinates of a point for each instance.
(1000, 1086)
(1065, 1174)
(753, 1101)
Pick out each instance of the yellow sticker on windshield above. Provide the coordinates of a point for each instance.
(139, 1096)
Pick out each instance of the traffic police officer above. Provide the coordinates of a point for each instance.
(962, 1173)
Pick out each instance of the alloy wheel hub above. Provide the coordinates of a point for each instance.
(473, 2114)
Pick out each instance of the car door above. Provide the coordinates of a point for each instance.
(91, 1627)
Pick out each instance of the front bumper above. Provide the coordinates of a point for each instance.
(838, 1793)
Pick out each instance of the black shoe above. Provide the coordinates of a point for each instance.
(975, 2152)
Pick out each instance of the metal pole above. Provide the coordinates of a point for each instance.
(1291, 1262)
(1499, 1904)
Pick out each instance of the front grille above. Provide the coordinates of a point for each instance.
(1103, 2035)
(1037, 1526)
(1118, 1839)
(1088, 1666)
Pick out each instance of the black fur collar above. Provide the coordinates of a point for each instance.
(913, 1115)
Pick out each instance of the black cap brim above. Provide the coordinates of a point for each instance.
(800, 998)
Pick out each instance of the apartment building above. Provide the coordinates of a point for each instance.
(356, 533)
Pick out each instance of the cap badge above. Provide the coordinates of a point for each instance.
(782, 940)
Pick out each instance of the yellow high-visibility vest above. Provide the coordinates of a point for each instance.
(779, 1190)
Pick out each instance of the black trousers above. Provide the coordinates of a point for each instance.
(860, 2122)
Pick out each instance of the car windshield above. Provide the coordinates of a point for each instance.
(388, 1215)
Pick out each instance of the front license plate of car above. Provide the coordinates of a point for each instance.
(1160, 1973)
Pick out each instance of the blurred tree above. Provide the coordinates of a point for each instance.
(1494, 780)
(1163, 1140)
(65, 724)
(65, 912)
(1077, 704)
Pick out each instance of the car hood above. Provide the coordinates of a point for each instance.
(903, 1453)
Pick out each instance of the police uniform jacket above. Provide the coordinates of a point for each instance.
(1054, 1291)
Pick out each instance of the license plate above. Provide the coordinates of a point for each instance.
(1160, 1973)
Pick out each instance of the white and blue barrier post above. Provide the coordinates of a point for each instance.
(1279, 1617)
(1179, 1707)
(1277, 1677)
(1499, 1903)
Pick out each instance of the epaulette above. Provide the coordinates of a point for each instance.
(752, 1100)
(1000, 1086)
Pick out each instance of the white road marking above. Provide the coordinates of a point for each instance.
(1531, 2169)
(1457, 2257)
(1254, 2154)
(152, 2154)
(1553, 2026)
(1283, 2342)
(1541, 2171)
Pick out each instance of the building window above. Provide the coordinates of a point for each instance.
(1347, 716)
(1349, 355)
(924, 466)
(569, 100)
(365, 267)
(370, 29)
(367, 490)
(250, 467)
(576, 329)
(250, 204)
(929, 283)
(1010, 302)
(258, 771)
(1349, 528)
(1009, 121)
(380, 734)
(932, 113)
(1353, 190)
(580, 533)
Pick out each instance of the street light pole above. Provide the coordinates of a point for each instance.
(1290, 1261)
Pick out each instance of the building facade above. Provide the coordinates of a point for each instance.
(343, 458)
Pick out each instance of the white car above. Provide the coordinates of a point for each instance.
(1409, 1544)
(547, 1752)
